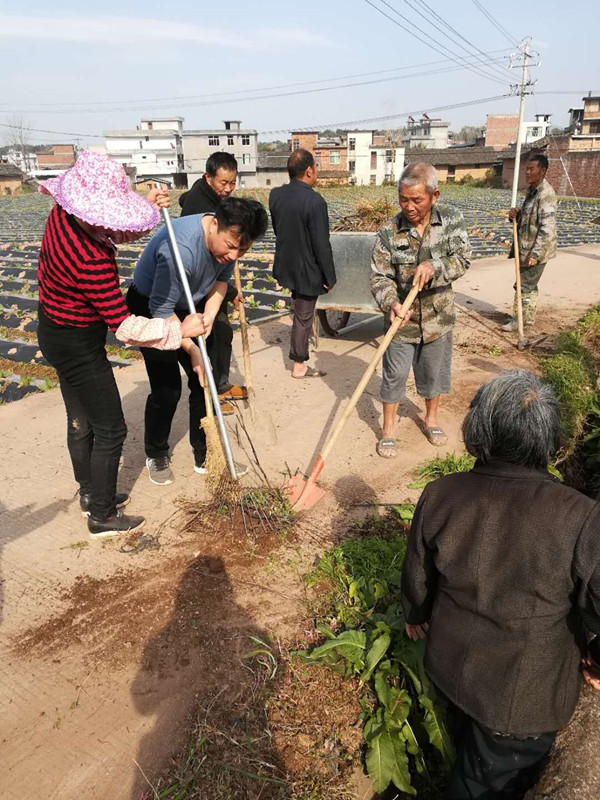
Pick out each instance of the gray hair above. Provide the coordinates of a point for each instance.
(420, 173)
(516, 418)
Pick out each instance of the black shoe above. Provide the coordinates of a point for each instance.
(85, 501)
(120, 523)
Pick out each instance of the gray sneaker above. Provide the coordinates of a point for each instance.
(159, 470)
(511, 326)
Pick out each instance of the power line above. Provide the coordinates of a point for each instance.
(171, 98)
(447, 25)
(345, 124)
(495, 23)
(444, 51)
(272, 96)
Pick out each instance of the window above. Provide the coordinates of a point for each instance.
(594, 127)
(246, 158)
(318, 160)
(535, 131)
(230, 141)
(389, 156)
(147, 138)
(295, 144)
(373, 159)
(451, 170)
(352, 166)
(268, 181)
(245, 140)
(373, 180)
(334, 157)
(213, 141)
(351, 144)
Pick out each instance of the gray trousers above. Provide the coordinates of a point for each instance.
(431, 365)
(304, 314)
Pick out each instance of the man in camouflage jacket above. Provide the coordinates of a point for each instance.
(536, 226)
(428, 245)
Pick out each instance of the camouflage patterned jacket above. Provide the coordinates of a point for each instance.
(537, 224)
(399, 250)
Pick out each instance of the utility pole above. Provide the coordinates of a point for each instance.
(525, 85)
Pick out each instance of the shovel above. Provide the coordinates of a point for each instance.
(303, 494)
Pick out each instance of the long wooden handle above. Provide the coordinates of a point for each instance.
(392, 330)
(245, 341)
(521, 332)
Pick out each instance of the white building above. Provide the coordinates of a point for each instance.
(532, 131)
(154, 149)
(371, 160)
(242, 143)
(27, 164)
(426, 132)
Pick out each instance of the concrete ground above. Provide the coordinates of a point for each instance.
(83, 715)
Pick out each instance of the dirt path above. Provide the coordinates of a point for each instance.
(103, 654)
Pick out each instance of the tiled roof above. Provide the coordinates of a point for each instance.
(454, 155)
(10, 171)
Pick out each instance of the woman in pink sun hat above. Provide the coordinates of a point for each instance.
(79, 300)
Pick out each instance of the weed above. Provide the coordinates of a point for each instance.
(438, 467)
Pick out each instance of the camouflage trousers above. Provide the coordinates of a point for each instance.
(530, 278)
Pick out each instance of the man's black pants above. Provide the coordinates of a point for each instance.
(164, 375)
(304, 314)
(96, 427)
(492, 766)
(219, 346)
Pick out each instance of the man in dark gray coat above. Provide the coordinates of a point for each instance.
(502, 579)
(303, 258)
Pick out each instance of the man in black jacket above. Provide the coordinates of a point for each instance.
(216, 184)
(303, 258)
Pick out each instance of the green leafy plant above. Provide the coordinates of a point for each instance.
(438, 467)
(403, 725)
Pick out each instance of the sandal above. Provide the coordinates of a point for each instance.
(386, 448)
(435, 436)
(311, 372)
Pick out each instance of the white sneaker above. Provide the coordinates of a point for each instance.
(511, 326)
(241, 469)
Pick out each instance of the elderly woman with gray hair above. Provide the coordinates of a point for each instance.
(502, 579)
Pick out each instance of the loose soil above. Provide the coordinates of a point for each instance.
(24, 368)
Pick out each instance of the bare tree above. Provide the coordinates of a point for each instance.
(18, 137)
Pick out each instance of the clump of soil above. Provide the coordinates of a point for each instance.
(24, 368)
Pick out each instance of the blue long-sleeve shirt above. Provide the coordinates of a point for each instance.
(156, 275)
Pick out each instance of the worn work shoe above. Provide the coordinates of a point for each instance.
(159, 470)
(234, 393)
(113, 526)
(85, 502)
(226, 408)
(510, 326)
(241, 469)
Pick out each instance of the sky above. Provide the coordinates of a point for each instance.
(82, 69)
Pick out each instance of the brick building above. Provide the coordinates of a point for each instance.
(456, 163)
(574, 167)
(331, 155)
(57, 156)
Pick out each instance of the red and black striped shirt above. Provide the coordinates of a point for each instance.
(77, 276)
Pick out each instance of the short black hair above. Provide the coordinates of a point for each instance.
(299, 162)
(217, 161)
(541, 159)
(247, 218)
(514, 417)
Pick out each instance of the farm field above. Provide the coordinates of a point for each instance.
(24, 371)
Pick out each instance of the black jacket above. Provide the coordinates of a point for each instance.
(303, 258)
(504, 564)
(199, 199)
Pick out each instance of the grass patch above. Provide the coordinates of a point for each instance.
(438, 467)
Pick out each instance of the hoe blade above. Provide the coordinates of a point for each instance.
(303, 494)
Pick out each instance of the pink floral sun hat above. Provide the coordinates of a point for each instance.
(97, 190)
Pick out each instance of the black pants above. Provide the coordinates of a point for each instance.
(219, 346)
(162, 367)
(304, 314)
(492, 766)
(96, 427)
